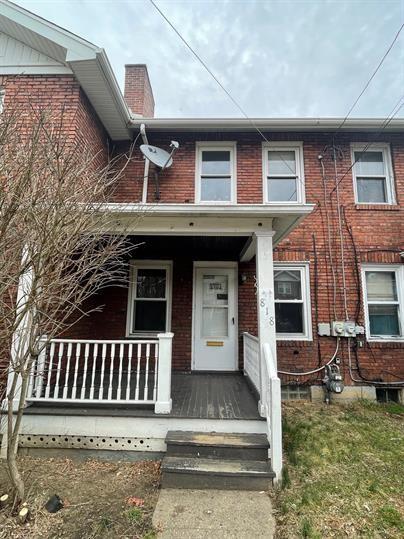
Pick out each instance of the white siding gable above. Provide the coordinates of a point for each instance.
(17, 58)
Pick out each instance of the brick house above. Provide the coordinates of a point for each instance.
(259, 252)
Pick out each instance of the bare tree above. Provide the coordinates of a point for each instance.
(56, 245)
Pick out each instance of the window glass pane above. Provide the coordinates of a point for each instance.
(215, 189)
(215, 322)
(216, 162)
(371, 190)
(383, 320)
(289, 317)
(149, 316)
(282, 190)
(281, 162)
(381, 286)
(215, 290)
(287, 284)
(369, 163)
(151, 283)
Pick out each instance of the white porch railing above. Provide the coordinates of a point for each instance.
(251, 349)
(104, 371)
(269, 389)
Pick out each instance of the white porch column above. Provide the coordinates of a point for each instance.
(164, 403)
(19, 345)
(265, 296)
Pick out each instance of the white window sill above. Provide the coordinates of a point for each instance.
(385, 339)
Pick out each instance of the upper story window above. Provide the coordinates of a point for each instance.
(383, 286)
(283, 172)
(292, 301)
(373, 174)
(149, 300)
(215, 173)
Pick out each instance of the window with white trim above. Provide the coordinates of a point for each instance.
(283, 172)
(383, 287)
(149, 299)
(215, 173)
(292, 301)
(372, 174)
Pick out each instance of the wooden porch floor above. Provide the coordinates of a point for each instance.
(213, 396)
(194, 396)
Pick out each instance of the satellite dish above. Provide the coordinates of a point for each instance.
(160, 158)
(157, 156)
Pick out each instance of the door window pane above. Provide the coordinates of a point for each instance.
(289, 317)
(149, 315)
(369, 163)
(281, 162)
(216, 162)
(215, 322)
(282, 190)
(381, 286)
(383, 320)
(151, 283)
(215, 189)
(215, 290)
(371, 190)
(287, 285)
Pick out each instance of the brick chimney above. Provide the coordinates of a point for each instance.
(138, 91)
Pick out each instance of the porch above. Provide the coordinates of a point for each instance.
(124, 376)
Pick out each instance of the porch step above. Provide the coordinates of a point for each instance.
(210, 473)
(217, 445)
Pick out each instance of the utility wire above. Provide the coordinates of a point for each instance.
(385, 124)
(206, 67)
(370, 79)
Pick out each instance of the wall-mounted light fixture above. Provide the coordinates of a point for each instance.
(242, 278)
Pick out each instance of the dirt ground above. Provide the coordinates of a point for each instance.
(101, 499)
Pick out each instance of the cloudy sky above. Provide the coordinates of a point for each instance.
(276, 57)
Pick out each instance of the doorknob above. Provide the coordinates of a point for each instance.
(232, 320)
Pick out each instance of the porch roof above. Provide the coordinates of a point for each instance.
(198, 219)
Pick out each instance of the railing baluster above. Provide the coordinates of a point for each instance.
(83, 385)
(51, 354)
(128, 380)
(31, 377)
(60, 354)
(103, 356)
(111, 371)
(76, 370)
(156, 360)
(118, 392)
(146, 376)
(40, 371)
(139, 356)
(95, 354)
(67, 372)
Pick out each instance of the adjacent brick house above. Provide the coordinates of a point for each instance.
(326, 203)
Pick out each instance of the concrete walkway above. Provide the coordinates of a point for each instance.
(206, 514)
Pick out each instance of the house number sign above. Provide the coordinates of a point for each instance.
(265, 311)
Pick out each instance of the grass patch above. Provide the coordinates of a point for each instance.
(343, 471)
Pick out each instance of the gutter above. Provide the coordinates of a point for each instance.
(234, 210)
(273, 124)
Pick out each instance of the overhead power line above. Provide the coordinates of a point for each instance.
(370, 79)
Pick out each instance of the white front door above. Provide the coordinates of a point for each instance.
(215, 319)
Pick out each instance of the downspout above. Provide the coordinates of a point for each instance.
(146, 166)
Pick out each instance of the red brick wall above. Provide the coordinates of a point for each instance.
(376, 232)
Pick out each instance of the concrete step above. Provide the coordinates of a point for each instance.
(209, 473)
(217, 445)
